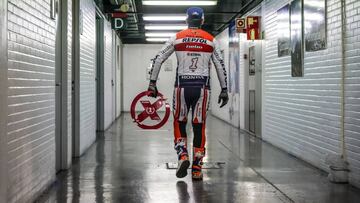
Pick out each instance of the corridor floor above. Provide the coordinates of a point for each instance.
(128, 164)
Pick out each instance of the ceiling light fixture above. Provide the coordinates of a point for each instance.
(164, 18)
(165, 27)
(179, 3)
(157, 39)
(160, 34)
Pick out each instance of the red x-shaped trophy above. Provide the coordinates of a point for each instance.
(150, 110)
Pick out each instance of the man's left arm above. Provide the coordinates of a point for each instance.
(221, 73)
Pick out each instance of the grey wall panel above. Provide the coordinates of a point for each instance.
(87, 75)
(69, 54)
(108, 75)
(302, 115)
(352, 88)
(31, 99)
(3, 101)
(118, 58)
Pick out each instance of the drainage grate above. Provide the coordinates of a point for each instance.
(206, 165)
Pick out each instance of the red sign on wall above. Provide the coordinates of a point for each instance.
(253, 27)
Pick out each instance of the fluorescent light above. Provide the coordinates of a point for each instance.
(165, 27)
(179, 3)
(160, 34)
(164, 18)
(157, 39)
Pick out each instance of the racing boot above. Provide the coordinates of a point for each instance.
(183, 157)
(199, 154)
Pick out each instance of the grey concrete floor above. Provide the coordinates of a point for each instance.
(127, 164)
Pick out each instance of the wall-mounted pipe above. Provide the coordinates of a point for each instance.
(342, 120)
(338, 164)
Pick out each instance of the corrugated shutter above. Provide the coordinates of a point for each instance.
(31, 99)
(69, 38)
(108, 75)
(118, 58)
(3, 100)
(87, 75)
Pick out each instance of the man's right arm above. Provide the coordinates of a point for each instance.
(159, 59)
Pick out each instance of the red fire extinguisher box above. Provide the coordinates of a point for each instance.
(253, 27)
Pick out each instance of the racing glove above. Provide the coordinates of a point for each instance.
(153, 89)
(223, 97)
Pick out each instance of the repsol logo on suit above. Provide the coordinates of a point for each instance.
(195, 40)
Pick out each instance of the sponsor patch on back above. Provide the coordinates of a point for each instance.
(195, 40)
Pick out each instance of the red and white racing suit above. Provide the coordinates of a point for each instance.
(195, 49)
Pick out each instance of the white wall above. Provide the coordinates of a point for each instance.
(302, 115)
(87, 76)
(136, 60)
(64, 90)
(31, 99)
(27, 130)
(234, 98)
(222, 113)
(244, 73)
(70, 78)
(108, 75)
(352, 87)
(118, 66)
(238, 119)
